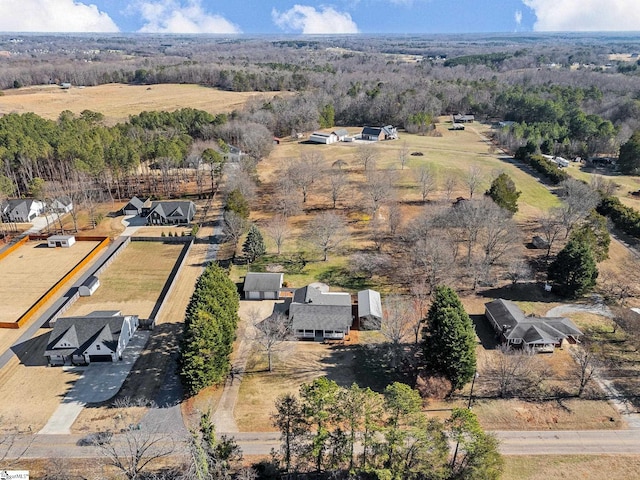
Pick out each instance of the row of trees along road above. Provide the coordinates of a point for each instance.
(322, 427)
(209, 330)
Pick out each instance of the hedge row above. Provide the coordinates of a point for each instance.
(624, 218)
(546, 167)
(209, 330)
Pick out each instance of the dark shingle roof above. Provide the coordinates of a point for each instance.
(376, 131)
(311, 295)
(262, 282)
(316, 317)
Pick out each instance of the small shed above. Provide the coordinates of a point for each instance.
(64, 241)
(540, 243)
(341, 134)
(89, 286)
(262, 286)
(369, 310)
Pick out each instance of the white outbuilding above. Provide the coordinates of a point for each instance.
(320, 137)
(64, 241)
(369, 310)
(89, 286)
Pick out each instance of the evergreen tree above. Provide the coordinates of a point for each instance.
(327, 116)
(503, 192)
(629, 158)
(450, 339)
(594, 232)
(574, 271)
(209, 330)
(253, 247)
(237, 203)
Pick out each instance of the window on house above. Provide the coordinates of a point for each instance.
(97, 347)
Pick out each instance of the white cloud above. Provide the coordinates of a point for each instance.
(172, 16)
(308, 20)
(518, 17)
(53, 16)
(585, 15)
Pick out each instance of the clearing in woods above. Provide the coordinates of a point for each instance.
(117, 101)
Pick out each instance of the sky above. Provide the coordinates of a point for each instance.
(305, 17)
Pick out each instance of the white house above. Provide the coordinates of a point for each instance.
(89, 286)
(64, 241)
(262, 286)
(100, 336)
(341, 134)
(22, 210)
(369, 310)
(320, 137)
(61, 205)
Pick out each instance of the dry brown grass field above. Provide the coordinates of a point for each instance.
(118, 101)
(133, 282)
(582, 467)
(31, 270)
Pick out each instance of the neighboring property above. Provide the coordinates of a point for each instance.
(456, 126)
(170, 212)
(100, 336)
(64, 241)
(61, 205)
(369, 310)
(89, 286)
(321, 137)
(463, 118)
(377, 134)
(234, 154)
(341, 134)
(262, 286)
(319, 314)
(22, 210)
(542, 334)
(134, 207)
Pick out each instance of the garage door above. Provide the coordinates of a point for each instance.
(253, 295)
(270, 295)
(100, 358)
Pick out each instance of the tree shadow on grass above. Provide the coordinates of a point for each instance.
(343, 278)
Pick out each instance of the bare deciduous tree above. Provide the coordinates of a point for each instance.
(272, 333)
(586, 366)
(278, 229)
(378, 188)
(234, 227)
(550, 226)
(426, 181)
(579, 199)
(301, 173)
(327, 231)
(473, 179)
(450, 184)
(403, 154)
(601, 184)
(508, 367)
(398, 316)
(366, 154)
(337, 180)
(518, 270)
(394, 217)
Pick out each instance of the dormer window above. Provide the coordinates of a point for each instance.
(97, 347)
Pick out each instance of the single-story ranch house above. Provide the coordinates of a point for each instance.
(377, 134)
(100, 336)
(542, 334)
(262, 286)
(318, 314)
(21, 210)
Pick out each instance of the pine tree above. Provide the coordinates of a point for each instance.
(503, 192)
(253, 247)
(574, 271)
(450, 339)
(237, 203)
(594, 232)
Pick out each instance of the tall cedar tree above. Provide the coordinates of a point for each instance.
(574, 271)
(237, 203)
(629, 159)
(450, 339)
(209, 330)
(594, 232)
(253, 247)
(503, 192)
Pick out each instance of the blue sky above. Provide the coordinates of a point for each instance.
(346, 16)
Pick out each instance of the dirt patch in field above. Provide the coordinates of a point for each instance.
(117, 101)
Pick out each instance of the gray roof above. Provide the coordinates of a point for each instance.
(532, 330)
(174, 208)
(90, 282)
(60, 238)
(341, 132)
(322, 134)
(263, 282)
(134, 203)
(320, 317)
(311, 295)
(82, 332)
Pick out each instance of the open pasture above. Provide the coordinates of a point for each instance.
(117, 101)
(30, 271)
(133, 282)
